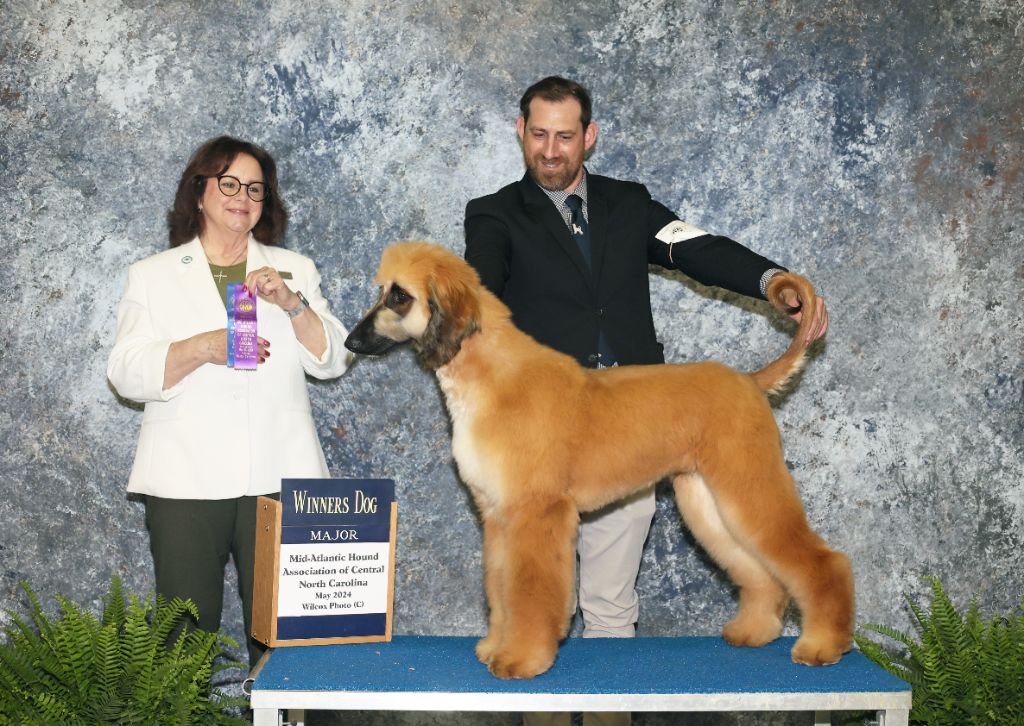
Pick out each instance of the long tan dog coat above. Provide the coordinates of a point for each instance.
(538, 439)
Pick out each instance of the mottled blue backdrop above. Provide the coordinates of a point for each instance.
(875, 146)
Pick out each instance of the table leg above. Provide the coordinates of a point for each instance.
(894, 717)
(266, 717)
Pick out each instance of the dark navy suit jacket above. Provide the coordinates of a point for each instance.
(520, 245)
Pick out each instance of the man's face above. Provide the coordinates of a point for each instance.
(555, 142)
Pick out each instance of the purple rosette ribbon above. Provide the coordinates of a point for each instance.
(243, 351)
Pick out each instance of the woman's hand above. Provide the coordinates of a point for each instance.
(184, 356)
(212, 346)
(270, 286)
(208, 347)
(309, 330)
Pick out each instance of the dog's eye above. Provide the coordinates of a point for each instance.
(398, 296)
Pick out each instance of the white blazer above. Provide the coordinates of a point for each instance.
(219, 433)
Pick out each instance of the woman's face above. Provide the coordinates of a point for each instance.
(235, 215)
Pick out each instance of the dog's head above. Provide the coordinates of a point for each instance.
(427, 295)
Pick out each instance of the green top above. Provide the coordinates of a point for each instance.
(224, 275)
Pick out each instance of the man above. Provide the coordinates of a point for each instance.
(568, 252)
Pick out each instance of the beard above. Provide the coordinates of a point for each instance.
(556, 180)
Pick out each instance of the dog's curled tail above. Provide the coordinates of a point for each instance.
(776, 374)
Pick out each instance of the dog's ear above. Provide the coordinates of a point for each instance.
(454, 316)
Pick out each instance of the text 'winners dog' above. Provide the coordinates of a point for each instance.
(538, 439)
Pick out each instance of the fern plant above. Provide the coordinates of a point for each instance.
(964, 670)
(124, 668)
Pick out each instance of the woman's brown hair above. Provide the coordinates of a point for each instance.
(185, 222)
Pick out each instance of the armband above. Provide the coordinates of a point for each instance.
(678, 231)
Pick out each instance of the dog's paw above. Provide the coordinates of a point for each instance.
(485, 648)
(508, 664)
(818, 651)
(751, 632)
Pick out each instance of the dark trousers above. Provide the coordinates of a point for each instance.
(191, 541)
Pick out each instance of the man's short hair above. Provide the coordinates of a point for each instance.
(555, 89)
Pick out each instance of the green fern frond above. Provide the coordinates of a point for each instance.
(17, 668)
(114, 604)
(118, 669)
(141, 649)
(964, 670)
(39, 618)
(75, 643)
(900, 667)
(168, 615)
(104, 701)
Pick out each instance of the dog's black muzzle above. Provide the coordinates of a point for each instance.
(365, 341)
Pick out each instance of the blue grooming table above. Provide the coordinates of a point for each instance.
(427, 673)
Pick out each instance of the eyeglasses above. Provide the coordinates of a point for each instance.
(229, 186)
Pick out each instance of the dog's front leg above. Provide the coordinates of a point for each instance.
(535, 585)
(493, 577)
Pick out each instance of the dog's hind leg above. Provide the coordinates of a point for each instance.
(536, 588)
(821, 582)
(762, 510)
(494, 573)
(762, 597)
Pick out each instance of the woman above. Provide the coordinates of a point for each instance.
(214, 438)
